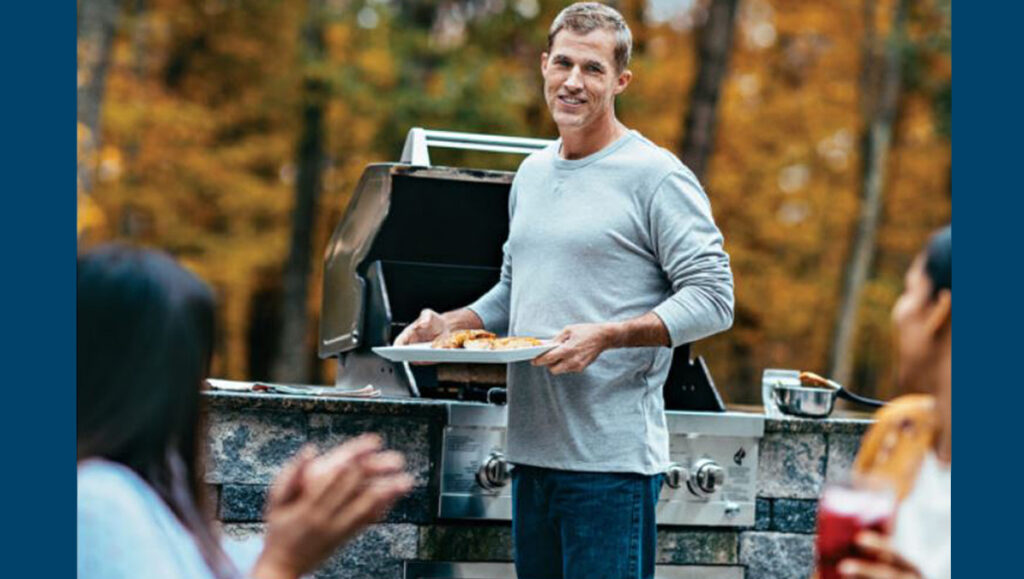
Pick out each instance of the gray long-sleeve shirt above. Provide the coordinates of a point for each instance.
(610, 237)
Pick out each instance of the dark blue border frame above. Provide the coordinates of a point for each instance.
(39, 243)
(38, 240)
(986, 185)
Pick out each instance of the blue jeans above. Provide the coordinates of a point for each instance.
(568, 525)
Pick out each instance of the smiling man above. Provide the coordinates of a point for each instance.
(613, 251)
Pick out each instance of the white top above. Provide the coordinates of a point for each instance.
(923, 533)
(126, 531)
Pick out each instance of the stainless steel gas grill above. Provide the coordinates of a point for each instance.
(417, 236)
(711, 482)
(414, 236)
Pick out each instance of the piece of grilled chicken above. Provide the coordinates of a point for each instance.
(455, 340)
(514, 342)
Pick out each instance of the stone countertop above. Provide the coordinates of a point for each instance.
(253, 434)
(263, 401)
(831, 425)
(431, 408)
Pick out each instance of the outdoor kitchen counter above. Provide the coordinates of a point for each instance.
(252, 434)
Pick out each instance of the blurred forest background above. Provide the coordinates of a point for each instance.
(231, 133)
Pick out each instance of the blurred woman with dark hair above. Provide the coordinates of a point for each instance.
(145, 338)
(911, 443)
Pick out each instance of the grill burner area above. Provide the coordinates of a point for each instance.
(711, 482)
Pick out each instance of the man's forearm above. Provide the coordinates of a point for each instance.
(463, 319)
(644, 331)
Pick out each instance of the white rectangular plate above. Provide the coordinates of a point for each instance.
(424, 353)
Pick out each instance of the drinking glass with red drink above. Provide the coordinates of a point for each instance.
(845, 510)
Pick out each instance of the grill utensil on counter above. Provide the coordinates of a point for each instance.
(813, 396)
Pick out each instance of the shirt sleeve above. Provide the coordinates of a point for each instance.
(689, 247)
(494, 306)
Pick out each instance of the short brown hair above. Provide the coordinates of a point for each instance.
(585, 17)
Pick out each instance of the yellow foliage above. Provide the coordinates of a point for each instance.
(90, 216)
(202, 118)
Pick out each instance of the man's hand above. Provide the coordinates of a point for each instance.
(581, 344)
(886, 563)
(578, 346)
(426, 328)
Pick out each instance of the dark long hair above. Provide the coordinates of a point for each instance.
(145, 338)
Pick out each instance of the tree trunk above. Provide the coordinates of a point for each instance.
(714, 44)
(882, 104)
(634, 13)
(97, 21)
(294, 354)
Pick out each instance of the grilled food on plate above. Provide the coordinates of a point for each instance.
(481, 340)
(455, 340)
(514, 342)
(479, 344)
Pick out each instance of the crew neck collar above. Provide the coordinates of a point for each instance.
(570, 164)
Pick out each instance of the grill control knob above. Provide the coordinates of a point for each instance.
(675, 475)
(707, 477)
(494, 472)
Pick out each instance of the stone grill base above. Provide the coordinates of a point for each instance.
(252, 435)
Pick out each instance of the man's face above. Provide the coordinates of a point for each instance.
(580, 79)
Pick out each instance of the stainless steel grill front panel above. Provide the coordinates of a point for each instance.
(473, 433)
(726, 441)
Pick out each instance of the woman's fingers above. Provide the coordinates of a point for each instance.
(384, 463)
(341, 488)
(353, 449)
(289, 481)
(322, 472)
(318, 504)
(374, 500)
(877, 546)
(351, 469)
(858, 569)
(883, 563)
(378, 475)
(342, 463)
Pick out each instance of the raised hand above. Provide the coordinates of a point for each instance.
(883, 561)
(318, 504)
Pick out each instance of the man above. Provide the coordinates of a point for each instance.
(613, 251)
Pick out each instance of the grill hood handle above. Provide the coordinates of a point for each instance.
(419, 140)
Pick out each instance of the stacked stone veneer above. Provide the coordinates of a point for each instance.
(253, 435)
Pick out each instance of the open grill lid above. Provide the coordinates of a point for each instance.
(428, 236)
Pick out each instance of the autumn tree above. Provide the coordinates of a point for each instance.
(97, 20)
(294, 352)
(203, 117)
(880, 93)
(714, 44)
